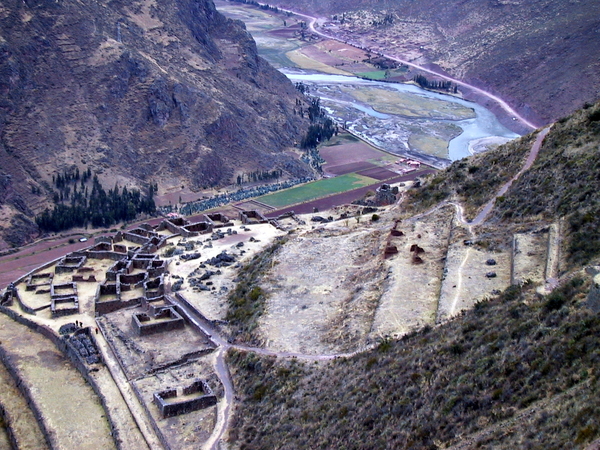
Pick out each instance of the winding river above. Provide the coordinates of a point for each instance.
(439, 137)
(484, 125)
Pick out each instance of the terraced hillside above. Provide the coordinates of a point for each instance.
(515, 369)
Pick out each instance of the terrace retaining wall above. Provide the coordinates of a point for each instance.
(65, 349)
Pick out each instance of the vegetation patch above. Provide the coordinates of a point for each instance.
(317, 189)
(82, 207)
(390, 101)
(304, 62)
(564, 182)
(247, 301)
(430, 145)
(437, 385)
(373, 75)
(473, 181)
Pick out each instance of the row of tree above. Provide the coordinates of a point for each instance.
(321, 127)
(319, 132)
(261, 6)
(259, 175)
(436, 85)
(71, 176)
(97, 208)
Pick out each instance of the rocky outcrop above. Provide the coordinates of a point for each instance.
(139, 91)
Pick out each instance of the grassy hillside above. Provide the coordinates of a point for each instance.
(519, 362)
(562, 183)
(472, 181)
(517, 371)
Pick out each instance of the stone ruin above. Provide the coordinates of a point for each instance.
(173, 402)
(252, 217)
(82, 343)
(7, 298)
(162, 319)
(390, 250)
(39, 282)
(184, 228)
(70, 263)
(63, 299)
(416, 251)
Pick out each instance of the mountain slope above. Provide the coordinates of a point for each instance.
(516, 371)
(165, 91)
(562, 183)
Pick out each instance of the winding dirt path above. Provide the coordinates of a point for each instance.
(487, 209)
(535, 149)
(483, 215)
(222, 371)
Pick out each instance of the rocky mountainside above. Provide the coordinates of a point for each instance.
(541, 56)
(143, 91)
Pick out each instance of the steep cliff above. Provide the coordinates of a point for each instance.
(161, 91)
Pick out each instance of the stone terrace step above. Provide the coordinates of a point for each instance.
(18, 416)
(71, 413)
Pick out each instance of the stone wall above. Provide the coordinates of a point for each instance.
(252, 217)
(593, 300)
(109, 306)
(62, 345)
(166, 320)
(70, 263)
(167, 403)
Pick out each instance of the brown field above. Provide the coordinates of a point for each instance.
(379, 173)
(337, 59)
(287, 33)
(343, 151)
(345, 51)
(343, 169)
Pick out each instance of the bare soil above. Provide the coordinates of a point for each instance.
(411, 291)
(213, 304)
(322, 289)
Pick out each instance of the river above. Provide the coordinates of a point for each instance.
(401, 118)
(483, 125)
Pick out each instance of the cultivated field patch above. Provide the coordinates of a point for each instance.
(346, 149)
(305, 62)
(430, 145)
(373, 75)
(379, 173)
(317, 189)
(350, 168)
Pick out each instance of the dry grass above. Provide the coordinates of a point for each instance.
(436, 385)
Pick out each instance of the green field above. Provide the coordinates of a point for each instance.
(315, 190)
(374, 75)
